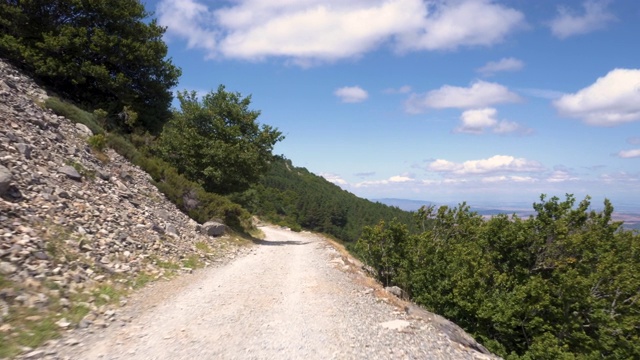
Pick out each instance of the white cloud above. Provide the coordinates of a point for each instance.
(561, 176)
(612, 100)
(504, 64)
(314, 31)
(626, 154)
(479, 94)
(497, 163)
(511, 127)
(475, 121)
(568, 23)
(351, 94)
(398, 179)
(333, 178)
(185, 19)
(453, 24)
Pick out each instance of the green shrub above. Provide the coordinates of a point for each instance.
(97, 142)
(74, 114)
(562, 284)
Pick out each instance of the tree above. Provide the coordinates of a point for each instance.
(101, 54)
(218, 142)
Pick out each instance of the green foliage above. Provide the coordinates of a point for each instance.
(74, 114)
(217, 142)
(562, 284)
(101, 54)
(97, 142)
(188, 196)
(294, 197)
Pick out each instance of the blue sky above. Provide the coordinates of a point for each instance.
(463, 100)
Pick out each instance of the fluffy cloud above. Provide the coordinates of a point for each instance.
(479, 94)
(463, 23)
(351, 94)
(612, 100)
(504, 64)
(626, 154)
(309, 31)
(568, 23)
(494, 164)
(477, 120)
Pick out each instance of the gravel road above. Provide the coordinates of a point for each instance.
(292, 296)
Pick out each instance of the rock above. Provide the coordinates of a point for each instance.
(213, 228)
(24, 149)
(63, 323)
(7, 268)
(396, 291)
(454, 332)
(35, 354)
(83, 130)
(5, 179)
(171, 230)
(70, 172)
(395, 324)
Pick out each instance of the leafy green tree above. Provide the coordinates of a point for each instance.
(218, 142)
(562, 284)
(101, 54)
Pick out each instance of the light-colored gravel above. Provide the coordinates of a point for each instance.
(292, 296)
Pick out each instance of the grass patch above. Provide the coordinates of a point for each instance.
(31, 333)
(106, 294)
(192, 262)
(167, 265)
(140, 281)
(74, 114)
(203, 246)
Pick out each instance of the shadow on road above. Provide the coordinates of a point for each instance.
(278, 243)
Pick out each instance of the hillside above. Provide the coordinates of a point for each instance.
(79, 228)
(295, 197)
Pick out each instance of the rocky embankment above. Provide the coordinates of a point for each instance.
(71, 223)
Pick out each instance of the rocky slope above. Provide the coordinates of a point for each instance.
(71, 223)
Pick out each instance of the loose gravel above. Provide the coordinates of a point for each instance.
(292, 296)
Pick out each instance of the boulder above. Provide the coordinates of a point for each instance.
(213, 228)
(5, 179)
(396, 291)
(83, 130)
(70, 172)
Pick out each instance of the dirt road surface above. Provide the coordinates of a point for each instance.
(292, 296)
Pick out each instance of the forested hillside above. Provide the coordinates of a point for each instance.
(295, 197)
(561, 284)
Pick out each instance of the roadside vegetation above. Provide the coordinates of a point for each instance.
(562, 284)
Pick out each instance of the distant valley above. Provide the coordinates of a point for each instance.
(629, 213)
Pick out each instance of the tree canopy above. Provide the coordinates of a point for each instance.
(218, 142)
(297, 198)
(563, 284)
(101, 54)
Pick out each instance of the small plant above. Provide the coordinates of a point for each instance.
(97, 142)
(106, 294)
(192, 262)
(140, 281)
(203, 246)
